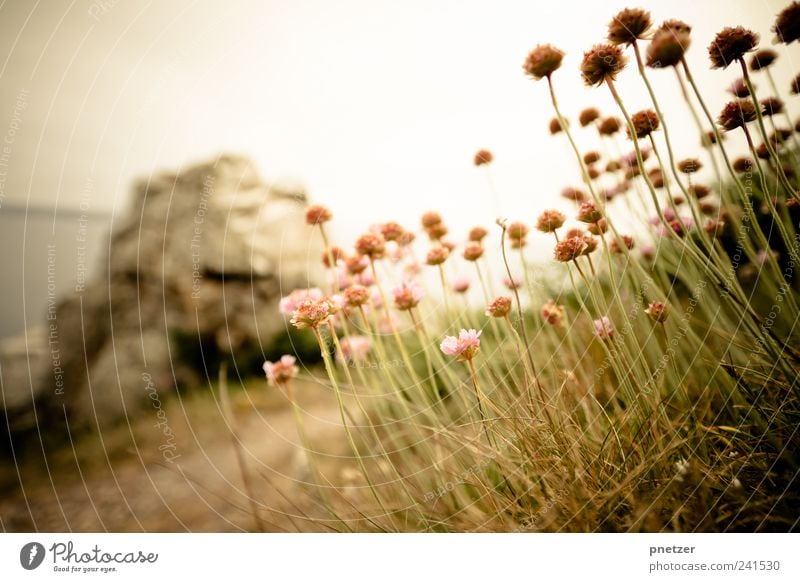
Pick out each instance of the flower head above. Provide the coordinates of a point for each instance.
(739, 89)
(437, 255)
(554, 126)
(588, 212)
(514, 282)
(317, 214)
(477, 234)
(292, 301)
(731, 44)
(787, 25)
(588, 115)
(615, 247)
(689, 165)
(408, 295)
(569, 249)
(312, 313)
(644, 123)
(371, 245)
(391, 231)
(550, 221)
(591, 157)
(603, 62)
(543, 61)
(461, 285)
(464, 347)
(657, 311)
(517, 231)
(628, 26)
(356, 264)
(483, 157)
(356, 296)
(609, 126)
(430, 219)
(736, 114)
(281, 372)
(336, 253)
(552, 313)
(603, 328)
(762, 59)
(473, 251)
(499, 307)
(699, 190)
(670, 42)
(573, 194)
(354, 349)
(794, 87)
(771, 106)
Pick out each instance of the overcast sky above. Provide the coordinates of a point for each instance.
(376, 106)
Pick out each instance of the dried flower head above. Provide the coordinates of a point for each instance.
(609, 126)
(715, 228)
(569, 249)
(517, 230)
(603, 328)
(657, 311)
(613, 166)
(552, 313)
(437, 255)
(336, 253)
(483, 157)
(588, 115)
(731, 44)
(787, 25)
(599, 227)
(371, 245)
(690, 165)
(281, 372)
(656, 178)
(739, 89)
(543, 61)
(603, 62)
(430, 219)
(406, 238)
(550, 221)
(461, 285)
(590, 158)
(355, 348)
(499, 307)
(554, 126)
(615, 247)
(699, 191)
(736, 114)
(588, 212)
(473, 251)
(669, 44)
(437, 232)
(573, 194)
(317, 214)
(771, 106)
(477, 234)
(356, 264)
(644, 123)
(628, 26)
(590, 244)
(762, 59)
(356, 296)
(311, 314)
(408, 295)
(391, 231)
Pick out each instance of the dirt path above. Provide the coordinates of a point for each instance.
(126, 482)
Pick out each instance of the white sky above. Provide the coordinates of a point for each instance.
(376, 106)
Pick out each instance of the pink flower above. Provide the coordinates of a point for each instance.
(464, 347)
(603, 328)
(291, 302)
(311, 314)
(461, 285)
(514, 283)
(354, 348)
(408, 295)
(280, 372)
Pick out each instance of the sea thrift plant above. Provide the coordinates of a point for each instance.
(464, 347)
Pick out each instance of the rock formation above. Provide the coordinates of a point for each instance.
(199, 264)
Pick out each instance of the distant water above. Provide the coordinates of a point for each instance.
(44, 256)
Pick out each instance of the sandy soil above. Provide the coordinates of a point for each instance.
(125, 481)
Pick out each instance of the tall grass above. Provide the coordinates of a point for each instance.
(650, 385)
